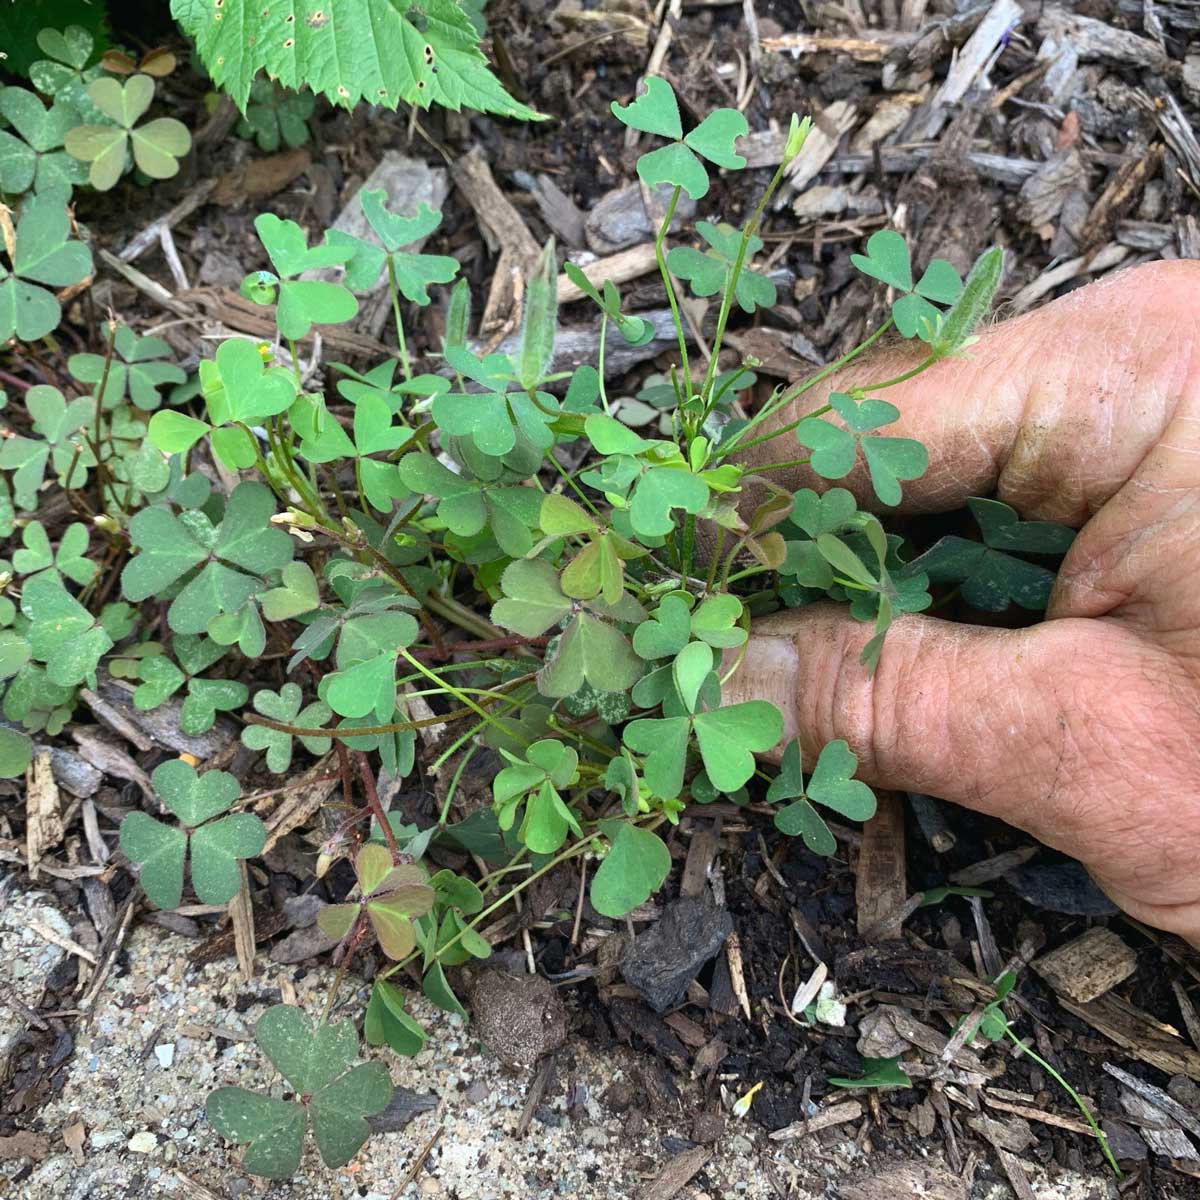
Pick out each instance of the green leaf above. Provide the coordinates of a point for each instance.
(241, 389)
(274, 1129)
(972, 305)
(715, 136)
(660, 490)
(675, 165)
(387, 1021)
(715, 622)
(990, 579)
(439, 991)
(708, 273)
(1003, 530)
(284, 706)
(891, 459)
(594, 651)
(665, 633)
(377, 51)
(308, 1058)
(62, 633)
(664, 741)
(730, 737)
(175, 432)
(533, 601)
(655, 111)
(297, 593)
(833, 449)
(216, 849)
(609, 436)
(194, 798)
(887, 259)
(940, 282)
(16, 753)
(43, 254)
(365, 687)
(207, 697)
(635, 867)
(338, 1111)
(161, 850)
(691, 668)
(827, 513)
(877, 1073)
(832, 783)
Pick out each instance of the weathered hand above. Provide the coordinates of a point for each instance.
(1083, 730)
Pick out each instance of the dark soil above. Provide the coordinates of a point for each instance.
(948, 205)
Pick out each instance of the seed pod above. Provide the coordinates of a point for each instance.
(972, 305)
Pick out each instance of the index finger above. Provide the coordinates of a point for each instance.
(1052, 410)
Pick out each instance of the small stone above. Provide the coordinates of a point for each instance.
(143, 1143)
(519, 1017)
(100, 1139)
(165, 1054)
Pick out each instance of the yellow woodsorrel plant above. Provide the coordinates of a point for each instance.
(414, 535)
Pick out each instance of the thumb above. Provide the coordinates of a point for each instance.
(961, 712)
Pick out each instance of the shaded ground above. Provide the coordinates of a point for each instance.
(1071, 144)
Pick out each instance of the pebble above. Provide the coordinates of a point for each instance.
(143, 1143)
(165, 1055)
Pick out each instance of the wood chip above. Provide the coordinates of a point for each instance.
(677, 1173)
(189, 1189)
(988, 869)
(870, 46)
(1103, 260)
(912, 1181)
(261, 177)
(619, 268)
(835, 1114)
(73, 1137)
(1157, 1097)
(1032, 1113)
(880, 885)
(1157, 1130)
(43, 814)
(829, 126)
(1088, 966)
(241, 915)
(303, 796)
(24, 1144)
(1015, 1172)
(507, 234)
(1138, 1033)
(60, 940)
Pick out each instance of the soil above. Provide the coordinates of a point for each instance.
(1037, 158)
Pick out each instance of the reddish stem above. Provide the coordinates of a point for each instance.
(368, 782)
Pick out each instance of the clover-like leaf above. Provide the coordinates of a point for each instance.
(657, 111)
(296, 594)
(730, 737)
(708, 272)
(591, 650)
(387, 1020)
(33, 157)
(533, 601)
(216, 845)
(284, 706)
(827, 513)
(235, 554)
(833, 784)
(833, 449)
(660, 490)
(62, 633)
(634, 868)
(1002, 529)
(666, 632)
(798, 818)
(315, 1061)
(42, 253)
(302, 303)
(887, 259)
(891, 459)
(137, 369)
(991, 579)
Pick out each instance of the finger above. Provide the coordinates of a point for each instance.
(1052, 410)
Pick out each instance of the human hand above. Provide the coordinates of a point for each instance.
(1084, 730)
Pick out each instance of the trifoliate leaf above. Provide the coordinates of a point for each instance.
(634, 869)
(991, 579)
(314, 1060)
(665, 633)
(533, 602)
(1003, 530)
(594, 651)
(43, 254)
(730, 737)
(832, 783)
(659, 491)
(62, 633)
(891, 459)
(284, 707)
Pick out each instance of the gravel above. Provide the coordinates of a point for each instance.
(164, 1033)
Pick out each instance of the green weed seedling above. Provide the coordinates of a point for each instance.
(411, 532)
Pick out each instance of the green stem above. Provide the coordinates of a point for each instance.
(671, 299)
(296, 364)
(787, 397)
(466, 758)
(1083, 1108)
(783, 466)
(464, 700)
(923, 365)
(732, 282)
(405, 366)
(600, 360)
